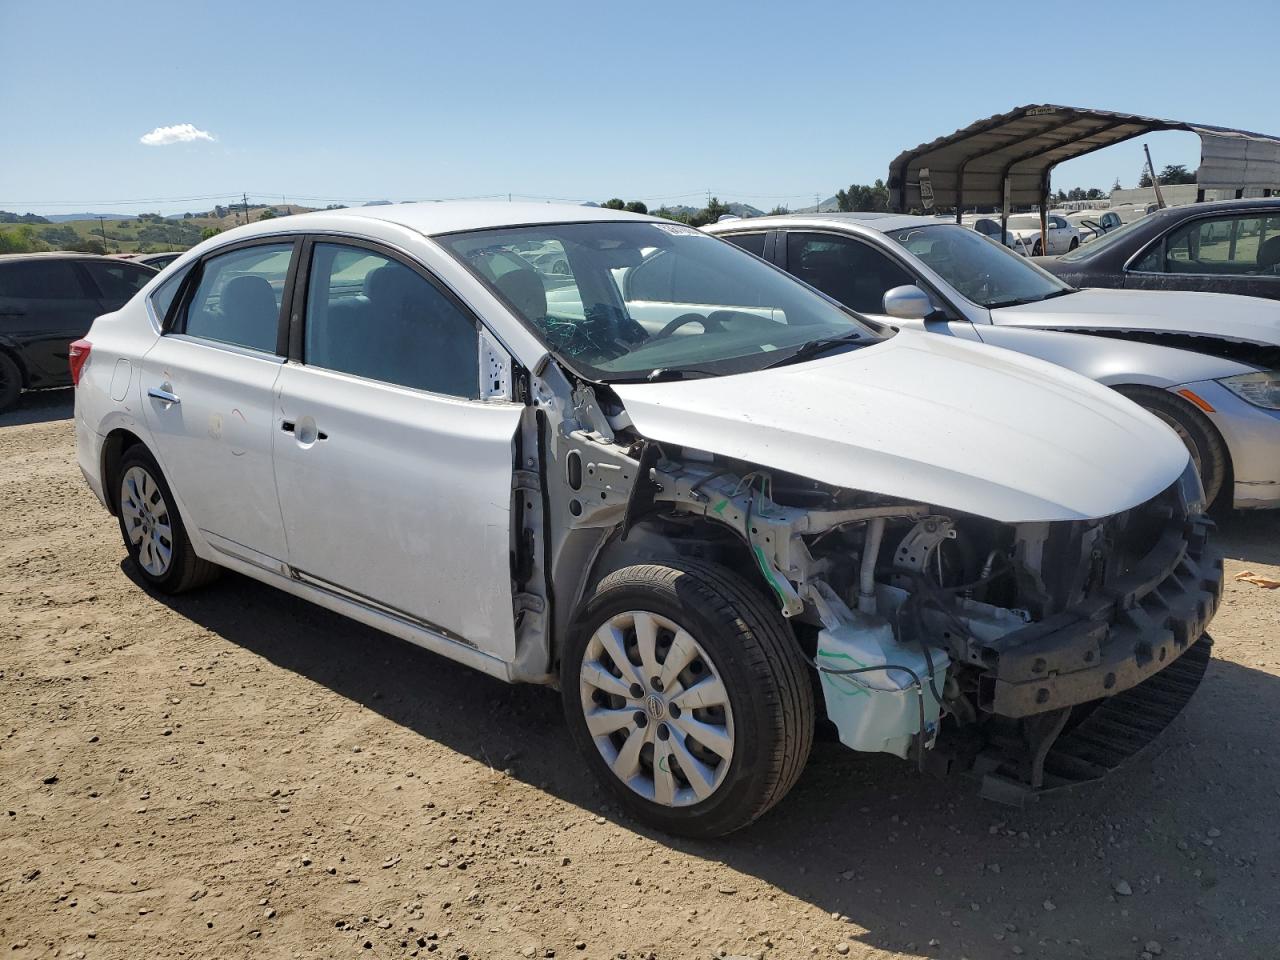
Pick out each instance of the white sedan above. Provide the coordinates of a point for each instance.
(609, 453)
(1204, 363)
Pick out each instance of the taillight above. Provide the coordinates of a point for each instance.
(77, 357)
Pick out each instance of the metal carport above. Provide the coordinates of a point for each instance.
(1005, 160)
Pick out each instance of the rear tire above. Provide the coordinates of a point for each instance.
(1075, 242)
(740, 711)
(152, 529)
(10, 382)
(1194, 429)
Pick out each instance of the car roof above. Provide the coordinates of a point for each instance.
(874, 220)
(433, 218)
(55, 255)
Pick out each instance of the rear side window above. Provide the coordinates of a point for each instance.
(162, 296)
(373, 317)
(118, 281)
(237, 300)
(40, 280)
(848, 270)
(750, 242)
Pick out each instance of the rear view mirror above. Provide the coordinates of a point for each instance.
(908, 302)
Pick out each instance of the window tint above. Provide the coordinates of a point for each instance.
(751, 242)
(849, 270)
(238, 298)
(118, 281)
(40, 280)
(162, 296)
(372, 316)
(1222, 245)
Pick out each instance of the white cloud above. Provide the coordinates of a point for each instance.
(178, 133)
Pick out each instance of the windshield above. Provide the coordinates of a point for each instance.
(981, 270)
(1103, 242)
(619, 301)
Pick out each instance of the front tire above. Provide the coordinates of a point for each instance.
(1075, 242)
(152, 529)
(1194, 429)
(10, 382)
(687, 694)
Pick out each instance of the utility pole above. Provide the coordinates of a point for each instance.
(245, 197)
(1155, 181)
(103, 230)
(817, 204)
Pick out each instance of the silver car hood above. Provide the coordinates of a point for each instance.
(1222, 315)
(931, 419)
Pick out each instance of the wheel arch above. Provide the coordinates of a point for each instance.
(1135, 391)
(114, 446)
(13, 353)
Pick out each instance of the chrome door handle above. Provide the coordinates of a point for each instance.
(164, 395)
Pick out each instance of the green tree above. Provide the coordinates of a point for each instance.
(1116, 186)
(778, 211)
(862, 198)
(268, 214)
(637, 206)
(668, 214)
(1177, 173)
(712, 212)
(1145, 179)
(614, 204)
(208, 232)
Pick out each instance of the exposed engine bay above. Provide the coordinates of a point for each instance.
(953, 640)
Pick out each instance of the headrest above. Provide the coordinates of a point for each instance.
(525, 291)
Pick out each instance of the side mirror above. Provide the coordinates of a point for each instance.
(908, 302)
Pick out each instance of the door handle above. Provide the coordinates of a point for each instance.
(287, 426)
(306, 433)
(164, 395)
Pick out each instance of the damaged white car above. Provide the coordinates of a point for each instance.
(700, 508)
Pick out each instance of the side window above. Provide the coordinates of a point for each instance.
(373, 317)
(1058, 223)
(1230, 245)
(238, 298)
(750, 242)
(162, 296)
(41, 280)
(118, 281)
(846, 269)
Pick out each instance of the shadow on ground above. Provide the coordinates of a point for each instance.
(40, 406)
(924, 866)
(1251, 536)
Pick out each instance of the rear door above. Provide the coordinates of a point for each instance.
(45, 303)
(394, 476)
(208, 397)
(116, 281)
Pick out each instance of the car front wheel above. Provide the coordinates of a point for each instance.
(10, 382)
(686, 692)
(1194, 429)
(153, 532)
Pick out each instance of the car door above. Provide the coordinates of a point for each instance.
(858, 275)
(1059, 235)
(116, 281)
(394, 476)
(208, 396)
(1226, 254)
(45, 303)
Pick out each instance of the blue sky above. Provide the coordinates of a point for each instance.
(661, 101)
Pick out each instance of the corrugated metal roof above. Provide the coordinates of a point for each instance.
(969, 167)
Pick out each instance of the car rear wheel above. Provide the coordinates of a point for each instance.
(1075, 242)
(153, 532)
(687, 694)
(10, 382)
(1194, 429)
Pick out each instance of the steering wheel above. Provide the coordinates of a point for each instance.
(709, 324)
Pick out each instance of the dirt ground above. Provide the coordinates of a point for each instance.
(235, 773)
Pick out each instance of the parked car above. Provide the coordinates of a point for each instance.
(1229, 246)
(990, 227)
(1094, 223)
(46, 301)
(1207, 364)
(682, 486)
(158, 261)
(1062, 236)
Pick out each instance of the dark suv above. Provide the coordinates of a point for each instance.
(46, 301)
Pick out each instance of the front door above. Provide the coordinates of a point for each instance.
(207, 395)
(45, 303)
(394, 477)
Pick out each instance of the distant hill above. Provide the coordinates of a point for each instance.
(64, 217)
(829, 205)
(737, 209)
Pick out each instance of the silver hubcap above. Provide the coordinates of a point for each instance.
(146, 520)
(657, 709)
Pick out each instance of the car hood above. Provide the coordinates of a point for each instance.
(931, 419)
(1222, 315)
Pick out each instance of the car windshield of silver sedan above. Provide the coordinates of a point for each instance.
(980, 269)
(641, 300)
